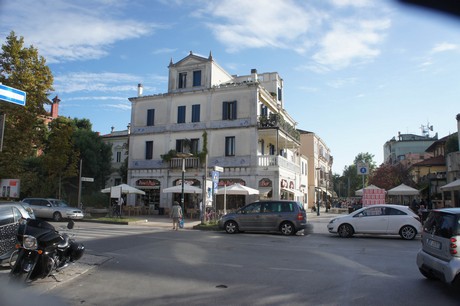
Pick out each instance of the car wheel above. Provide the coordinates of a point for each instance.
(427, 274)
(345, 231)
(408, 232)
(57, 216)
(287, 229)
(231, 227)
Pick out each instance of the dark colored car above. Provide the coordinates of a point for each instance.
(10, 214)
(439, 257)
(287, 217)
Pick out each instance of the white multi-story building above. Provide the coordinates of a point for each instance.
(239, 121)
(119, 142)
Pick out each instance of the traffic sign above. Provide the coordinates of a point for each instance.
(13, 95)
(87, 179)
(362, 169)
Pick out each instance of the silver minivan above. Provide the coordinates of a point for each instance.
(439, 257)
(287, 217)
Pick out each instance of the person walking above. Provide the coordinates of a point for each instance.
(176, 215)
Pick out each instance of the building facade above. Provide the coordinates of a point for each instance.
(407, 146)
(119, 142)
(319, 168)
(211, 118)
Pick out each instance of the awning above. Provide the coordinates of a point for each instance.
(328, 191)
(295, 192)
(455, 185)
(264, 190)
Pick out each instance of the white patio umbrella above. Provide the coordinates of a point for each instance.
(403, 190)
(178, 189)
(235, 189)
(359, 192)
(125, 188)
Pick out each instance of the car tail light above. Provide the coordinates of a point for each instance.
(300, 216)
(453, 246)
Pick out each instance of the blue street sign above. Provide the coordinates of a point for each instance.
(13, 95)
(215, 180)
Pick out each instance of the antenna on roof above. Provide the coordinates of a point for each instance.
(426, 129)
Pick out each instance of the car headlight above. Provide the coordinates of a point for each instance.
(29, 242)
(332, 221)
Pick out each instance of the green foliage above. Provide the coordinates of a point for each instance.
(350, 181)
(24, 69)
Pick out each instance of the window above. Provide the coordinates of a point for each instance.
(118, 158)
(181, 114)
(252, 209)
(148, 149)
(229, 110)
(230, 146)
(183, 80)
(279, 94)
(180, 145)
(150, 117)
(194, 145)
(197, 78)
(263, 110)
(196, 113)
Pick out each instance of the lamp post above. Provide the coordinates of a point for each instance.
(319, 192)
(183, 156)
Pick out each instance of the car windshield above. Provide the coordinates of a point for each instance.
(60, 203)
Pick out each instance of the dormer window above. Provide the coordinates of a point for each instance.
(197, 78)
(182, 80)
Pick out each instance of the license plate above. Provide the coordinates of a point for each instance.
(433, 243)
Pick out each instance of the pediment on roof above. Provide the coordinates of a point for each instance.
(190, 60)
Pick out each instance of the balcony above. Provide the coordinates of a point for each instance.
(190, 162)
(277, 161)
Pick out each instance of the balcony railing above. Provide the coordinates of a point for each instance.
(190, 162)
(277, 161)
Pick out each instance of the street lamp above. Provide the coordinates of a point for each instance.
(319, 192)
(183, 156)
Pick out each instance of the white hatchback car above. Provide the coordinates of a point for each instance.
(386, 219)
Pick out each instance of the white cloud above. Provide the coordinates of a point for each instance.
(241, 24)
(96, 82)
(64, 31)
(350, 41)
(443, 47)
(356, 3)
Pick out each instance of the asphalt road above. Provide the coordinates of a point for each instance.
(142, 265)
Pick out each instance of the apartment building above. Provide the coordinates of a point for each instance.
(319, 171)
(119, 142)
(211, 118)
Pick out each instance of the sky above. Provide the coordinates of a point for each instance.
(356, 72)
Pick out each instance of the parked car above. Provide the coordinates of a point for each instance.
(439, 257)
(287, 217)
(10, 214)
(55, 209)
(388, 219)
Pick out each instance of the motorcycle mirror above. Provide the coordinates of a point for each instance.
(70, 224)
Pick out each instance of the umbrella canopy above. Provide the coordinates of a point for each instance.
(126, 189)
(178, 189)
(403, 190)
(359, 192)
(455, 185)
(237, 189)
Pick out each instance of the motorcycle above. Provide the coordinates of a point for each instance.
(43, 251)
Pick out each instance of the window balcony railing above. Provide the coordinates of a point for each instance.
(277, 161)
(190, 162)
(277, 121)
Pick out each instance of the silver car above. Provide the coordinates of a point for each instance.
(48, 208)
(10, 214)
(439, 257)
(287, 217)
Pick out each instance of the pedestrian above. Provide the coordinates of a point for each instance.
(176, 215)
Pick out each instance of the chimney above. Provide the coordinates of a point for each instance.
(140, 90)
(458, 129)
(55, 107)
(254, 75)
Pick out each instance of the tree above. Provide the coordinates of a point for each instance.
(60, 159)
(24, 69)
(350, 177)
(389, 176)
(452, 144)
